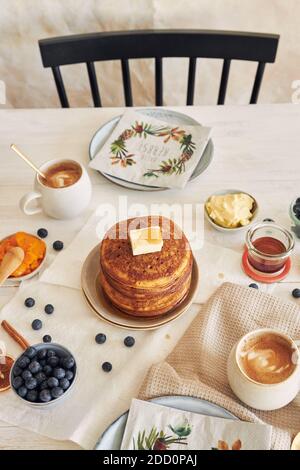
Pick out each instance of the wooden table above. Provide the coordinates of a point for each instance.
(257, 150)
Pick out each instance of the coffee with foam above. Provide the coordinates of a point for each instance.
(61, 175)
(267, 358)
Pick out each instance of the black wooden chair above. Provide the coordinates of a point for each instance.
(125, 45)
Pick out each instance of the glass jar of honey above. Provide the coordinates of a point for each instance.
(269, 247)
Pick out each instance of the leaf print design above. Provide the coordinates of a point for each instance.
(159, 440)
(222, 445)
(120, 155)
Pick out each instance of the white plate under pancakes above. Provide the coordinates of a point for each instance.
(106, 311)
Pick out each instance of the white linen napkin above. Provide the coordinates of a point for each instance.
(66, 268)
(97, 398)
(216, 263)
(152, 152)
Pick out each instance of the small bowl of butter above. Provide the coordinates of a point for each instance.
(231, 210)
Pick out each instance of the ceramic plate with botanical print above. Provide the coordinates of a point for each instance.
(149, 151)
(155, 427)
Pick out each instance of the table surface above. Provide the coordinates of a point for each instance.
(257, 151)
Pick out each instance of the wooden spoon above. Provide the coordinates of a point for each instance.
(12, 259)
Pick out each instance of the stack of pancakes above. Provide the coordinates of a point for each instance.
(149, 284)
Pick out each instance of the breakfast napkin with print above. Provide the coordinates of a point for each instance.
(152, 152)
(197, 365)
(155, 427)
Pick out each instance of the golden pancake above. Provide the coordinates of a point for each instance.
(150, 270)
(150, 293)
(150, 307)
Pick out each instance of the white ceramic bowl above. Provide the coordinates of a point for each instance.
(15, 280)
(237, 229)
(62, 351)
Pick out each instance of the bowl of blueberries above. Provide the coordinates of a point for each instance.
(295, 215)
(43, 374)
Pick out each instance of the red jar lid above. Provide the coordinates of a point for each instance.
(261, 277)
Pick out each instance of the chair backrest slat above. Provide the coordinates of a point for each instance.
(224, 81)
(60, 87)
(191, 81)
(93, 84)
(158, 44)
(126, 82)
(257, 82)
(158, 81)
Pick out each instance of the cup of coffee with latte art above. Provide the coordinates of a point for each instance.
(263, 369)
(64, 192)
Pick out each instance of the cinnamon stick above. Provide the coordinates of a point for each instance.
(17, 337)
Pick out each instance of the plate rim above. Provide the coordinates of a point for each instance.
(137, 186)
(11, 281)
(161, 323)
(163, 397)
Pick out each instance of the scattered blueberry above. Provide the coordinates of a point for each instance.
(36, 324)
(42, 353)
(40, 377)
(45, 395)
(68, 362)
(49, 309)
(22, 391)
(106, 366)
(34, 367)
(56, 392)
(47, 370)
(17, 371)
(53, 361)
(32, 395)
(30, 352)
(269, 220)
(58, 245)
(42, 232)
(69, 375)
(296, 293)
(31, 383)
(23, 362)
(47, 339)
(100, 338)
(52, 382)
(59, 373)
(17, 382)
(26, 374)
(129, 341)
(64, 383)
(253, 285)
(29, 302)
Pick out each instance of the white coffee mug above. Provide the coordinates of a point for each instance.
(59, 203)
(258, 395)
